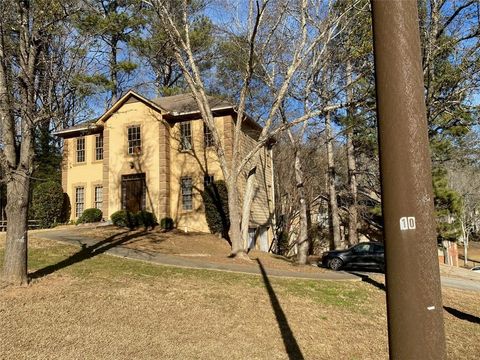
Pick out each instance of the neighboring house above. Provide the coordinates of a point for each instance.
(157, 155)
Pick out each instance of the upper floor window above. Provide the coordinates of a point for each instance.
(98, 197)
(185, 136)
(99, 147)
(187, 193)
(80, 150)
(207, 136)
(79, 201)
(134, 140)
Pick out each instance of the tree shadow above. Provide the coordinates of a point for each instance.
(369, 280)
(462, 316)
(291, 345)
(86, 252)
(457, 313)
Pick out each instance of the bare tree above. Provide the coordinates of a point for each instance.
(304, 26)
(25, 103)
(336, 241)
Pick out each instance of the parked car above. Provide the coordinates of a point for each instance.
(476, 269)
(363, 255)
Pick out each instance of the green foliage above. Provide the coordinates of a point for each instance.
(166, 223)
(448, 206)
(215, 199)
(146, 219)
(124, 218)
(48, 203)
(90, 216)
(156, 49)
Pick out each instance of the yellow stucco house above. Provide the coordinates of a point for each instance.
(156, 155)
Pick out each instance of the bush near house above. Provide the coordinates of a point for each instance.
(124, 218)
(215, 199)
(48, 203)
(166, 223)
(146, 219)
(90, 216)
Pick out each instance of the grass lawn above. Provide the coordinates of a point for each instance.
(111, 308)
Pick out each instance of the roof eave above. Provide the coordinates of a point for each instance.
(90, 129)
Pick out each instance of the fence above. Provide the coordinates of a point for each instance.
(32, 224)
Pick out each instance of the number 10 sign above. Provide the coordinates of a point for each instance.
(407, 223)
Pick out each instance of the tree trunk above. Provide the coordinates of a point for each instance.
(352, 182)
(247, 205)
(352, 166)
(238, 247)
(15, 266)
(114, 70)
(465, 243)
(302, 241)
(335, 239)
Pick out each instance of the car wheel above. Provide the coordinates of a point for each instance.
(335, 264)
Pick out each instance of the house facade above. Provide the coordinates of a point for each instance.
(157, 155)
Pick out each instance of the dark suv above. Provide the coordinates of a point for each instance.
(365, 255)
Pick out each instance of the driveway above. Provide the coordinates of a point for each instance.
(451, 277)
(96, 246)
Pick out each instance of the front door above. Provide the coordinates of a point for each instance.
(133, 192)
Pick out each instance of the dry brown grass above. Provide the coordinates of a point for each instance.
(208, 247)
(111, 308)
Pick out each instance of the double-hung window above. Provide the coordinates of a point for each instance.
(79, 201)
(134, 140)
(80, 150)
(207, 136)
(99, 147)
(185, 136)
(187, 193)
(98, 197)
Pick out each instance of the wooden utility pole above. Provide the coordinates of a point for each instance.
(414, 303)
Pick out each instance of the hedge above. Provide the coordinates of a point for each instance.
(124, 218)
(146, 219)
(90, 216)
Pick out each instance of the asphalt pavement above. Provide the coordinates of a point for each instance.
(451, 277)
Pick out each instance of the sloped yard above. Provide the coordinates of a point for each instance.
(206, 247)
(111, 308)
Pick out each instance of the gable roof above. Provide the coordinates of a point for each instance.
(183, 104)
(176, 106)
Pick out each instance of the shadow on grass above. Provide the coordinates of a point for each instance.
(369, 280)
(457, 313)
(291, 345)
(461, 315)
(87, 252)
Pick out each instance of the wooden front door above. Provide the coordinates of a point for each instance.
(133, 192)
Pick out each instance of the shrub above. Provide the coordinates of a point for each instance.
(47, 203)
(90, 216)
(146, 219)
(166, 223)
(124, 218)
(66, 209)
(215, 199)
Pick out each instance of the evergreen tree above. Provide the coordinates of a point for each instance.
(114, 24)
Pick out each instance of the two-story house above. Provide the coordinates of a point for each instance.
(157, 155)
